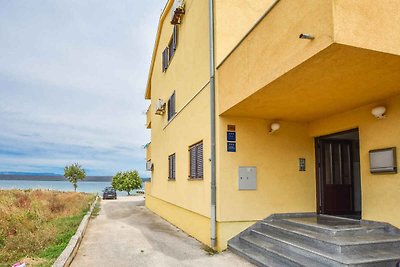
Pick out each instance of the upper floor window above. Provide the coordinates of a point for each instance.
(171, 167)
(169, 51)
(196, 161)
(171, 106)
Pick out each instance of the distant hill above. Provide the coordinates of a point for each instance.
(30, 173)
(18, 177)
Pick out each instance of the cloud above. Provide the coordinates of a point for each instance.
(72, 79)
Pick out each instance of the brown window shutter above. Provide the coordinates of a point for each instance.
(175, 37)
(165, 61)
(192, 162)
(173, 104)
(199, 163)
(173, 166)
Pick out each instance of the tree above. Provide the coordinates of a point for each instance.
(73, 173)
(126, 181)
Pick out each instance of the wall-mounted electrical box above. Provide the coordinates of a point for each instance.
(383, 160)
(247, 178)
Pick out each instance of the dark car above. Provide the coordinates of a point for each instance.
(109, 193)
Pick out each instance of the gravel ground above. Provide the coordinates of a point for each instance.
(125, 233)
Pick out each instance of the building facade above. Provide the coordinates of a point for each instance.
(296, 82)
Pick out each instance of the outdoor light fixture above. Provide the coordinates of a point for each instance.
(306, 36)
(379, 112)
(274, 127)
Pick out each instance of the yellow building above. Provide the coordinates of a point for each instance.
(295, 85)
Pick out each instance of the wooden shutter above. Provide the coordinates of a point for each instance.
(175, 38)
(169, 109)
(199, 160)
(173, 166)
(173, 104)
(169, 167)
(165, 58)
(192, 152)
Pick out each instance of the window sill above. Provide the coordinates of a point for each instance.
(195, 179)
(171, 179)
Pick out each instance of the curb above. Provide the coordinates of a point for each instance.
(66, 257)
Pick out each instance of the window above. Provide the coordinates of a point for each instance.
(165, 59)
(173, 43)
(196, 161)
(171, 167)
(169, 51)
(171, 107)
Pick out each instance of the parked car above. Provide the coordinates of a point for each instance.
(109, 193)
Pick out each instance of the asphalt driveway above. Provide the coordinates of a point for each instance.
(125, 233)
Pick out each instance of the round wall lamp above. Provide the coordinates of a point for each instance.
(379, 112)
(274, 127)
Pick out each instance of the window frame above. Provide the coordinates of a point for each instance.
(198, 166)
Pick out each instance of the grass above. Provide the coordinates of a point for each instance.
(36, 225)
(96, 209)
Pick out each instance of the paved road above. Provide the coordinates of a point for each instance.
(127, 234)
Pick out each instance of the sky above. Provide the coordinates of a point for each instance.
(72, 80)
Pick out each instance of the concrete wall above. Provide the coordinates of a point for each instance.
(380, 193)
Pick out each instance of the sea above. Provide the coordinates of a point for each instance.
(55, 183)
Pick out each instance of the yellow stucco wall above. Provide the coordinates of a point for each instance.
(273, 48)
(380, 193)
(233, 19)
(368, 24)
(188, 76)
(192, 223)
(281, 187)
(270, 51)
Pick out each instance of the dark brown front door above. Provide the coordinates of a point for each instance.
(334, 163)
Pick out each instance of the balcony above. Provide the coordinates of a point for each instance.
(352, 61)
(148, 117)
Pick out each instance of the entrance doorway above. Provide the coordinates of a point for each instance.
(338, 174)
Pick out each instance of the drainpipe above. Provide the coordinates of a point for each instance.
(213, 220)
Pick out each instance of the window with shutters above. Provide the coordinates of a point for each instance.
(171, 106)
(169, 51)
(171, 167)
(165, 59)
(196, 161)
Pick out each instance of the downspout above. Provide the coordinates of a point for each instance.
(213, 221)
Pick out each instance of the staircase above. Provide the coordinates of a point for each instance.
(308, 239)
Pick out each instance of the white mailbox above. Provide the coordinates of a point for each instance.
(383, 160)
(247, 178)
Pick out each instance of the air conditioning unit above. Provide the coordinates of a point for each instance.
(160, 107)
(149, 165)
(177, 12)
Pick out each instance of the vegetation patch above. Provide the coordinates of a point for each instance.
(36, 225)
(96, 209)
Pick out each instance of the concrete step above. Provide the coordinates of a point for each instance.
(301, 240)
(330, 258)
(278, 252)
(334, 226)
(255, 257)
(340, 243)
